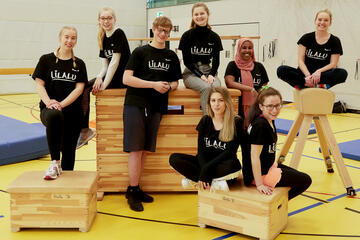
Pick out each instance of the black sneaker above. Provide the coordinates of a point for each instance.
(144, 197)
(140, 194)
(133, 199)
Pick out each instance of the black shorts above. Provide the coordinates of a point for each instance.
(140, 128)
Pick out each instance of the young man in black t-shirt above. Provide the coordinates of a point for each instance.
(152, 71)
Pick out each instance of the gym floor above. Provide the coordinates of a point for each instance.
(322, 212)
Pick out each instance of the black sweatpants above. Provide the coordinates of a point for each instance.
(295, 77)
(188, 166)
(296, 180)
(62, 132)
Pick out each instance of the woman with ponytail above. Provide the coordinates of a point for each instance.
(259, 165)
(219, 135)
(114, 53)
(59, 80)
(245, 74)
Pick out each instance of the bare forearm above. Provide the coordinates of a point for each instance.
(73, 95)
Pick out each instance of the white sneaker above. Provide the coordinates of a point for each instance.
(53, 171)
(188, 184)
(219, 185)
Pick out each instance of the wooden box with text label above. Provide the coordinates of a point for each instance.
(244, 210)
(66, 202)
(177, 133)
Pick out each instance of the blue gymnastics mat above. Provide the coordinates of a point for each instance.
(350, 150)
(284, 125)
(20, 141)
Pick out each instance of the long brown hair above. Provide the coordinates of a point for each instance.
(72, 52)
(101, 31)
(199, 4)
(255, 110)
(227, 133)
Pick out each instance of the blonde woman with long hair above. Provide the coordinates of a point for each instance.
(114, 54)
(219, 136)
(59, 80)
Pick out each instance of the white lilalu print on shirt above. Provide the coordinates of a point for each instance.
(215, 144)
(316, 55)
(201, 51)
(62, 76)
(158, 65)
(108, 53)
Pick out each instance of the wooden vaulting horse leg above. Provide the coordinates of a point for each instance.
(315, 104)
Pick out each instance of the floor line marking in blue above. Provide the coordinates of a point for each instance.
(225, 236)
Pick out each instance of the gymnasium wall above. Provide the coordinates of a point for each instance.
(281, 22)
(29, 29)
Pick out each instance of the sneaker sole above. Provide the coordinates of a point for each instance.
(86, 140)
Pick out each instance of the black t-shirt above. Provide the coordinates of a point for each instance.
(60, 78)
(259, 132)
(116, 43)
(152, 64)
(201, 44)
(211, 150)
(259, 74)
(316, 55)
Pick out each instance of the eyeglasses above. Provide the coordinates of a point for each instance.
(271, 107)
(166, 31)
(103, 19)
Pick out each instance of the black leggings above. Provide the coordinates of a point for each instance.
(85, 103)
(188, 166)
(297, 181)
(62, 133)
(295, 77)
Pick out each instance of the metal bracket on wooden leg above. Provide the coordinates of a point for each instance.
(329, 166)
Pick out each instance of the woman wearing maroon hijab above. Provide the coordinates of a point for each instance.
(245, 74)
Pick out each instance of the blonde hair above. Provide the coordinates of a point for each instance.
(324, 11)
(199, 4)
(101, 31)
(228, 132)
(162, 22)
(72, 52)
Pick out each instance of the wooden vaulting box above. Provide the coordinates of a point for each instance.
(67, 202)
(177, 133)
(244, 210)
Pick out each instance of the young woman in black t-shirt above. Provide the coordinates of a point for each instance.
(219, 136)
(259, 165)
(245, 74)
(59, 79)
(114, 53)
(318, 57)
(200, 46)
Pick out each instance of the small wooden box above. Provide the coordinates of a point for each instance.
(67, 202)
(244, 210)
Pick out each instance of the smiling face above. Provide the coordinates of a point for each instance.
(67, 39)
(161, 34)
(217, 103)
(322, 21)
(271, 107)
(107, 20)
(200, 16)
(246, 51)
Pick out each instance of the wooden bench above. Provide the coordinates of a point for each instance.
(244, 210)
(67, 202)
(177, 133)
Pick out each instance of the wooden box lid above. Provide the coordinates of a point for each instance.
(68, 182)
